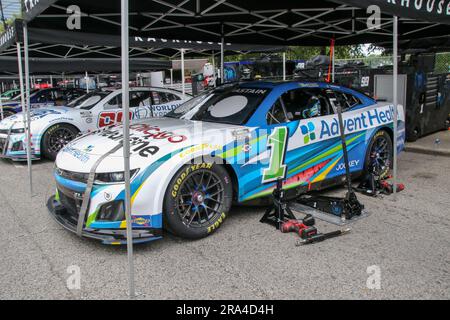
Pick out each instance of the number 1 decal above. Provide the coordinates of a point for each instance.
(277, 143)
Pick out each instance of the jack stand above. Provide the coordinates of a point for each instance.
(279, 211)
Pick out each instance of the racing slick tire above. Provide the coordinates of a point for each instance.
(55, 138)
(197, 200)
(379, 155)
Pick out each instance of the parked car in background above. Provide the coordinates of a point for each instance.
(43, 98)
(8, 95)
(52, 127)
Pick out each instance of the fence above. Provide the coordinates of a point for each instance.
(442, 63)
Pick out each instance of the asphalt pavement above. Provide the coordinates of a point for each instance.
(404, 244)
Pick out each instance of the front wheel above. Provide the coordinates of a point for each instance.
(379, 155)
(197, 200)
(55, 138)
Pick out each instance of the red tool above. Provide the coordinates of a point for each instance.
(304, 228)
(389, 187)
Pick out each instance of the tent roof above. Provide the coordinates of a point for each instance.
(80, 65)
(282, 22)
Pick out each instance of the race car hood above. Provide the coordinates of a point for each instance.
(36, 114)
(150, 141)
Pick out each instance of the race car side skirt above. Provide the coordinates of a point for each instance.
(107, 236)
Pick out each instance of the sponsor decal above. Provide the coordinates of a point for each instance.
(250, 91)
(108, 118)
(37, 114)
(107, 196)
(89, 148)
(141, 221)
(77, 154)
(363, 121)
(351, 164)
(154, 132)
(308, 132)
(138, 145)
(201, 147)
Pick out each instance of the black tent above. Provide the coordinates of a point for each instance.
(80, 65)
(283, 22)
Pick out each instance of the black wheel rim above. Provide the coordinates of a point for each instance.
(200, 198)
(59, 138)
(380, 157)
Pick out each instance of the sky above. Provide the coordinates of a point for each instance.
(10, 7)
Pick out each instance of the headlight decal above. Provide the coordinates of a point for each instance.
(138, 182)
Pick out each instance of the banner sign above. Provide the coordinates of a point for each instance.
(437, 11)
(12, 35)
(48, 36)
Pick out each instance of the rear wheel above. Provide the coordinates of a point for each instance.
(379, 155)
(55, 138)
(197, 200)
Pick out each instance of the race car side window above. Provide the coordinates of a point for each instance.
(346, 100)
(171, 97)
(137, 99)
(44, 96)
(306, 103)
(277, 113)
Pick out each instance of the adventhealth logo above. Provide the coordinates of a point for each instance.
(308, 132)
(363, 121)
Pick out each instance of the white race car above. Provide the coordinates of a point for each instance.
(230, 144)
(53, 127)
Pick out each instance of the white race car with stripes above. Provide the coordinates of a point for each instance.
(53, 127)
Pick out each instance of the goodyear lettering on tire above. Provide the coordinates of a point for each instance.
(217, 223)
(182, 176)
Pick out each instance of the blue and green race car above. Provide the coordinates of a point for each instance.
(229, 145)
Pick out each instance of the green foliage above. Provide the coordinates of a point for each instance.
(305, 53)
(9, 22)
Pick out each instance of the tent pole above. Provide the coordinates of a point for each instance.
(395, 79)
(28, 106)
(126, 141)
(284, 66)
(86, 78)
(183, 88)
(333, 66)
(222, 63)
(1, 107)
(22, 89)
(214, 69)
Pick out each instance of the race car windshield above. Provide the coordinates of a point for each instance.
(88, 100)
(231, 105)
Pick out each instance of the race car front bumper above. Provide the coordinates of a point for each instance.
(107, 236)
(14, 147)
